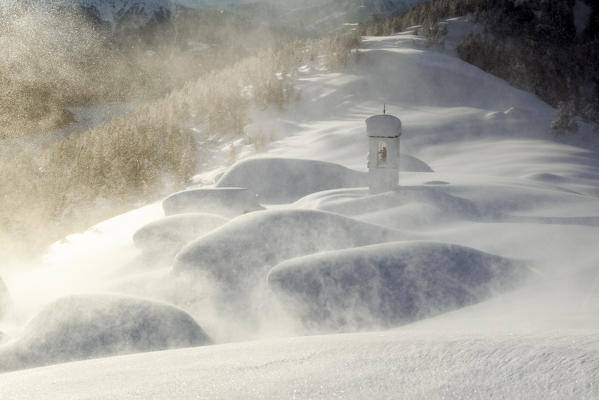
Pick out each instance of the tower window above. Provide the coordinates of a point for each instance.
(382, 154)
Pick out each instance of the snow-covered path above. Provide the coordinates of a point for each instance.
(502, 184)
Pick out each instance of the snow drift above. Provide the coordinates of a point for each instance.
(408, 163)
(225, 201)
(283, 180)
(90, 326)
(381, 365)
(359, 202)
(389, 284)
(169, 234)
(242, 251)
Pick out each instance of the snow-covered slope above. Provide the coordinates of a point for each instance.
(502, 188)
(381, 7)
(384, 365)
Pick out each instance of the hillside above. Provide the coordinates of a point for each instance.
(316, 16)
(57, 57)
(492, 231)
(548, 48)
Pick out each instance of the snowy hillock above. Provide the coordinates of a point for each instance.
(389, 284)
(283, 180)
(90, 326)
(170, 234)
(226, 201)
(409, 163)
(358, 202)
(240, 253)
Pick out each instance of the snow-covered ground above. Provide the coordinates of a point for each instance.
(494, 253)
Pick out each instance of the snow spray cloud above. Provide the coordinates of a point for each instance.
(55, 59)
(237, 257)
(68, 186)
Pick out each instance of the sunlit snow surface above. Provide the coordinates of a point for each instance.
(502, 184)
(385, 365)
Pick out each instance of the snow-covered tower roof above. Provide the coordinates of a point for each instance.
(384, 126)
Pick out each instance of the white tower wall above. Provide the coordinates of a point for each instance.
(383, 175)
(383, 156)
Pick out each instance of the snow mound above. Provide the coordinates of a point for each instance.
(282, 180)
(389, 284)
(224, 201)
(408, 163)
(170, 234)
(90, 326)
(355, 203)
(242, 251)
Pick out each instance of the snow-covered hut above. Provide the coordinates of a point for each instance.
(383, 157)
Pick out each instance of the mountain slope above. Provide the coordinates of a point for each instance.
(317, 15)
